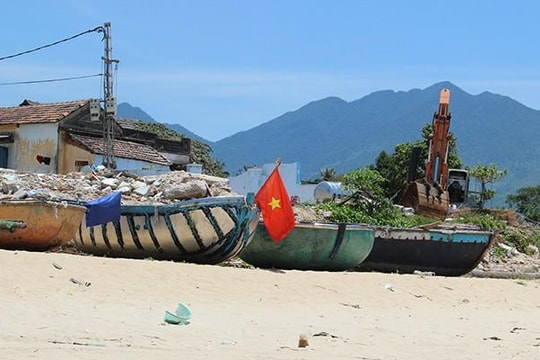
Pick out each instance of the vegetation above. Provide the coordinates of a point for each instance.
(483, 219)
(485, 174)
(328, 174)
(368, 203)
(526, 202)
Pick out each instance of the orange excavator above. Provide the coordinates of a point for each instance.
(432, 196)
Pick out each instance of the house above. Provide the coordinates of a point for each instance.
(176, 151)
(78, 151)
(64, 137)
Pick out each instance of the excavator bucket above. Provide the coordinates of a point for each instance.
(425, 199)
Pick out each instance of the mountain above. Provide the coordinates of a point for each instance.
(490, 129)
(333, 133)
(128, 111)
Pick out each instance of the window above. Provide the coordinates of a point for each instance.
(79, 164)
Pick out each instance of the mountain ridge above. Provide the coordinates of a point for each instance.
(331, 132)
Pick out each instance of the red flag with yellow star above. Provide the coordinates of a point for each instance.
(275, 205)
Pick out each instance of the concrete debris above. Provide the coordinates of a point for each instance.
(151, 189)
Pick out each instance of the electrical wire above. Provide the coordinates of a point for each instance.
(50, 80)
(98, 29)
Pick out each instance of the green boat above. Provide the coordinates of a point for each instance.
(311, 246)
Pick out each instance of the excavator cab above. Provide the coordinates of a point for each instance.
(458, 187)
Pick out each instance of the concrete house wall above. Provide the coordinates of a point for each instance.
(72, 157)
(35, 148)
(253, 179)
(136, 167)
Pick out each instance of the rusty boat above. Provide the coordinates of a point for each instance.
(38, 225)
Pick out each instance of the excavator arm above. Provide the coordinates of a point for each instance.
(430, 196)
(437, 163)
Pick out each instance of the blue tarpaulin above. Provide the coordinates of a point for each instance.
(104, 209)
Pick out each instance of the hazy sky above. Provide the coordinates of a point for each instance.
(220, 67)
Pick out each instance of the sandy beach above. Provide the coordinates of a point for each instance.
(64, 306)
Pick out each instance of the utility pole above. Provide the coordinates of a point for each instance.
(109, 101)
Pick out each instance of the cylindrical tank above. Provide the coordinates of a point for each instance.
(328, 190)
(194, 168)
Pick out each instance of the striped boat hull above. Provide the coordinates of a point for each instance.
(207, 231)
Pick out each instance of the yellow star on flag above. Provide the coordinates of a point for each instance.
(274, 203)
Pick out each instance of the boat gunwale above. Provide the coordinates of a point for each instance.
(332, 226)
(47, 203)
(446, 231)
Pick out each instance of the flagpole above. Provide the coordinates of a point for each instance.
(278, 163)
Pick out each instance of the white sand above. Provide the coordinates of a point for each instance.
(255, 314)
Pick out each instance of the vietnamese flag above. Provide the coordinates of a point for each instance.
(275, 205)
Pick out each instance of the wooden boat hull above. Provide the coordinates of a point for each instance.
(207, 231)
(311, 246)
(47, 224)
(445, 252)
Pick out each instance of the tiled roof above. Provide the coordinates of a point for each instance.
(36, 113)
(123, 149)
(127, 123)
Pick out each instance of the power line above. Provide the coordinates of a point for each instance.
(98, 29)
(50, 80)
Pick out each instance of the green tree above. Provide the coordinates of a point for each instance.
(328, 174)
(201, 153)
(395, 167)
(526, 202)
(366, 186)
(367, 204)
(486, 174)
(364, 179)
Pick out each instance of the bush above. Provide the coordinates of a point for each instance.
(384, 214)
(484, 221)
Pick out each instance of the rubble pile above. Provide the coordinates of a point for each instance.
(85, 186)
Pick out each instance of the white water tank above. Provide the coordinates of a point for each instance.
(328, 190)
(194, 168)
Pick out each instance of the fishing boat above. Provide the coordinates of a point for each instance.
(38, 225)
(203, 230)
(311, 246)
(445, 251)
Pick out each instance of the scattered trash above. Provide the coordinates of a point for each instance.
(356, 306)
(516, 329)
(181, 316)
(324, 333)
(303, 341)
(57, 266)
(75, 281)
(389, 287)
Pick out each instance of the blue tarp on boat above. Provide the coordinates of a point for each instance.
(104, 209)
